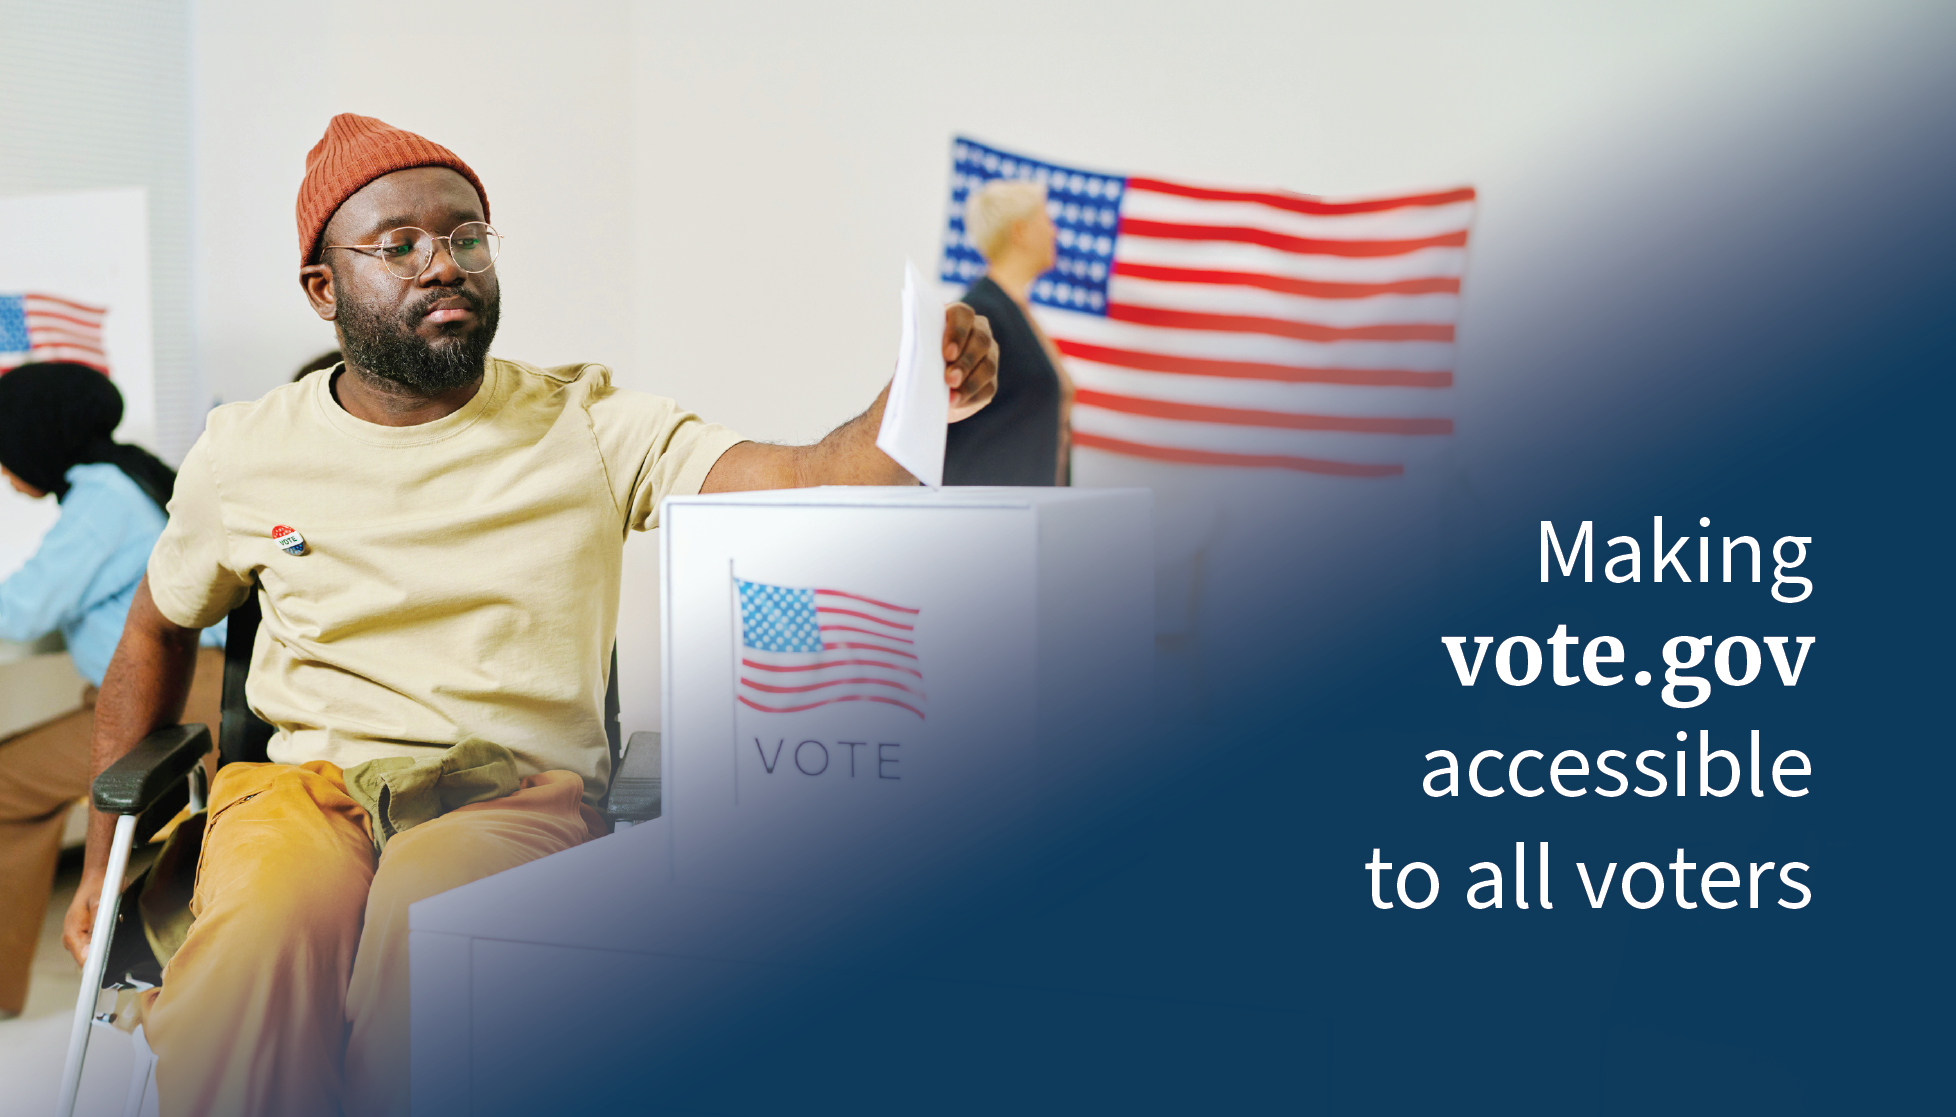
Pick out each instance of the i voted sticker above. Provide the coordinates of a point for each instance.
(289, 541)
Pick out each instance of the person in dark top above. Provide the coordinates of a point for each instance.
(1021, 439)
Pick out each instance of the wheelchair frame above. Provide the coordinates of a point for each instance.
(154, 781)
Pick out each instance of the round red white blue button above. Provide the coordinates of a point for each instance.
(290, 541)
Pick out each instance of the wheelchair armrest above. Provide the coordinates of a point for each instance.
(635, 795)
(157, 764)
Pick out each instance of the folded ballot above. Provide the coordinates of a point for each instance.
(919, 406)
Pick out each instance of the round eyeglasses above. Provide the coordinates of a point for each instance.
(407, 251)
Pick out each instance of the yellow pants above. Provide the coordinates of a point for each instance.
(289, 997)
(42, 772)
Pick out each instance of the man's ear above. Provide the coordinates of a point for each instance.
(317, 281)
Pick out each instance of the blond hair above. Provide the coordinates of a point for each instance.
(991, 213)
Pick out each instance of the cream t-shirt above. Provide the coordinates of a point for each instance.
(460, 578)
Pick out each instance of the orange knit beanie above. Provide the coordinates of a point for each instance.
(354, 151)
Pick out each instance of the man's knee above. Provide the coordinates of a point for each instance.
(543, 817)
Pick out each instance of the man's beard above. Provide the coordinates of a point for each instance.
(390, 349)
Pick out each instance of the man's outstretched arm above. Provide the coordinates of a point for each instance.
(848, 456)
(145, 689)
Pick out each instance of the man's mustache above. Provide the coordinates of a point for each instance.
(422, 308)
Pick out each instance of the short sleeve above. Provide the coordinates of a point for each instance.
(191, 577)
(652, 449)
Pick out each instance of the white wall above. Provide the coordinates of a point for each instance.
(718, 198)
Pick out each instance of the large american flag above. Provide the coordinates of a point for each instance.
(37, 327)
(803, 648)
(1240, 327)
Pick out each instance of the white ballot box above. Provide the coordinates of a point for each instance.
(866, 692)
(862, 683)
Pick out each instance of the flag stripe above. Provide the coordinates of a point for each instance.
(1359, 448)
(1252, 370)
(97, 311)
(1238, 256)
(74, 353)
(1165, 409)
(54, 320)
(867, 680)
(1276, 327)
(1439, 309)
(868, 600)
(47, 350)
(860, 647)
(1257, 395)
(1255, 461)
(830, 701)
(1299, 203)
(1095, 329)
(1396, 224)
(859, 614)
(758, 666)
(43, 340)
(865, 632)
(76, 338)
(1303, 246)
(1317, 289)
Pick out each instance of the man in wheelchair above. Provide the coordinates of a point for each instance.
(436, 538)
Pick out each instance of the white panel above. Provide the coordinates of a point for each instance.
(36, 689)
(858, 795)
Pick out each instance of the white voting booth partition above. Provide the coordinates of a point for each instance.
(863, 683)
(866, 692)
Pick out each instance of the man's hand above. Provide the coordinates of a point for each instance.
(78, 926)
(970, 360)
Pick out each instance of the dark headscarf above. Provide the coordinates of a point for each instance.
(56, 415)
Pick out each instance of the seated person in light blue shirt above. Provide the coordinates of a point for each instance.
(56, 422)
(55, 426)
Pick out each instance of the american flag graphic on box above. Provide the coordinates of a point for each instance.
(38, 327)
(1240, 327)
(804, 648)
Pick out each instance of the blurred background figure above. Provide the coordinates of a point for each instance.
(325, 360)
(56, 427)
(1021, 439)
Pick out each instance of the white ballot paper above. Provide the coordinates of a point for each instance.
(920, 402)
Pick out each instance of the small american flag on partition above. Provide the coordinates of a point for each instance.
(1241, 327)
(803, 648)
(37, 327)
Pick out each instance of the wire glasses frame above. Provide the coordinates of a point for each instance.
(408, 251)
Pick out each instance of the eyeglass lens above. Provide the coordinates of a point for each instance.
(408, 251)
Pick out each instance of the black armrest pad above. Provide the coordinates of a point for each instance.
(154, 766)
(635, 793)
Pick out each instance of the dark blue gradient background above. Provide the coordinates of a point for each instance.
(1758, 329)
